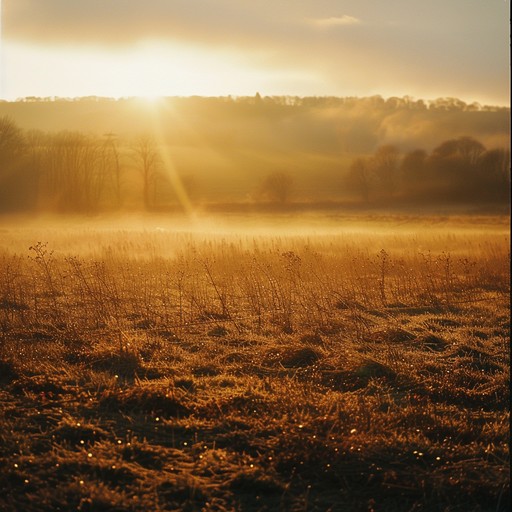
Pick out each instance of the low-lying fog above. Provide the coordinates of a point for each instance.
(160, 235)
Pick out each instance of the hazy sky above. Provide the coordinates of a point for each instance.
(423, 48)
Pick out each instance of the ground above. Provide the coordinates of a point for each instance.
(348, 370)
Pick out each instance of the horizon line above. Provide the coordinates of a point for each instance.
(152, 98)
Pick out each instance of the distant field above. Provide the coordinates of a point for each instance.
(279, 362)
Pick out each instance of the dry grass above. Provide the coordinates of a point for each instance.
(158, 370)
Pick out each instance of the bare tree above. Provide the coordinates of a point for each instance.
(111, 167)
(14, 173)
(12, 141)
(385, 167)
(455, 163)
(145, 153)
(72, 179)
(493, 178)
(467, 149)
(413, 172)
(277, 187)
(359, 178)
(37, 142)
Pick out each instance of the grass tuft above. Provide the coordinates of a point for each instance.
(273, 374)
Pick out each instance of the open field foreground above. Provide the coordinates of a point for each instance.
(342, 366)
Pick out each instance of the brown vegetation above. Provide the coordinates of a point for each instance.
(159, 370)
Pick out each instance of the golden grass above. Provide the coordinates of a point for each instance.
(348, 367)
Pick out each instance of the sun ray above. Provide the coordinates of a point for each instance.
(156, 105)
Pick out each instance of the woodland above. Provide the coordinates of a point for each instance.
(92, 155)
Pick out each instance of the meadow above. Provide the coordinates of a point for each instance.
(294, 363)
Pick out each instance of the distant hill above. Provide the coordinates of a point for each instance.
(320, 125)
(84, 154)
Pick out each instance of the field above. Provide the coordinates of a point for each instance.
(294, 364)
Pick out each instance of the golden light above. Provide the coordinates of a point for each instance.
(151, 70)
(151, 99)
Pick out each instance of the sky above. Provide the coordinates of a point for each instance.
(117, 48)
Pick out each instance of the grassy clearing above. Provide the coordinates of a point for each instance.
(163, 370)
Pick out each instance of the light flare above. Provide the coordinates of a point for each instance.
(155, 105)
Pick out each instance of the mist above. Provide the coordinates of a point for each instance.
(250, 154)
(271, 302)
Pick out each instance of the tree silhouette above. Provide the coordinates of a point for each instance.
(454, 164)
(277, 187)
(110, 162)
(12, 141)
(414, 173)
(359, 178)
(494, 174)
(385, 167)
(467, 149)
(37, 142)
(146, 155)
(14, 175)
(72, 175)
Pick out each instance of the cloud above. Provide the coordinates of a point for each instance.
(334, 21)
(266, 33)
(368, 47)
(121, 22)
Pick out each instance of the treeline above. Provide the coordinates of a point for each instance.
(316, 125)
(458, 170)
(65, 172)
(75, 172)
(377, 101)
